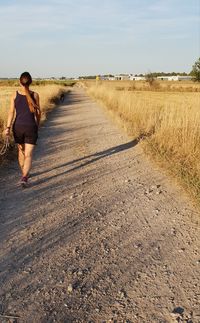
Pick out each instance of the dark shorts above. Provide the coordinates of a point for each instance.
(25, 134)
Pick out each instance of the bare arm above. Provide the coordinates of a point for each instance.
(11, 114)
(38, 110)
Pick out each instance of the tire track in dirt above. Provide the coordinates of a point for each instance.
(100, 235)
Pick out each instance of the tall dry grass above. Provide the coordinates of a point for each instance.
(47, 93)
(168, 122)
(159, 86)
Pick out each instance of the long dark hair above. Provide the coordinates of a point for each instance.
(26, 80)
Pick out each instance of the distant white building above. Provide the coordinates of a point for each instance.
(137, 78)
(181, 78)
(122, 77)
(175, 78)
(164, 78)
(131, 77)
(106, 78)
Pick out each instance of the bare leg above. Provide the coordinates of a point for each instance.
(21, 156)
(28, 153)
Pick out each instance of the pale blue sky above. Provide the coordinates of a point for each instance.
(82, 37)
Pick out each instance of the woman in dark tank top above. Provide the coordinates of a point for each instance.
(23, 114)
(26, 108)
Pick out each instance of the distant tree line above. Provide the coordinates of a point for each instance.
(150, 77)
(92, 77)
(154, 74)
(88, 77)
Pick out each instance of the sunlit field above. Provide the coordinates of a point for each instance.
(158, 86)
(48, 95)
(167, 121)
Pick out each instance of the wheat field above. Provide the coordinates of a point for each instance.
(168, 122)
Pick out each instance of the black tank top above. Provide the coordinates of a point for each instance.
(23, 114)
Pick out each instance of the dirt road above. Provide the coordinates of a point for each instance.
(100, 235)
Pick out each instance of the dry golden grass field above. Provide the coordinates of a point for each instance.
(48, 94)
(160, 86)
(168, 121)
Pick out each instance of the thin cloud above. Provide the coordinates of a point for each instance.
(85, 16)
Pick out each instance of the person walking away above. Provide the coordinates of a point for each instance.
(25, 106)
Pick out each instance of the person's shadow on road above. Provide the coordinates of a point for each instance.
(89, 159)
